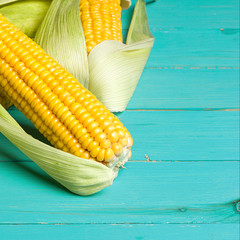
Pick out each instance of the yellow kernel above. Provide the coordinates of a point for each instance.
(91, 126)
(92, 145)
(100, 137)
(85, 155)
(100, 156)
(105, 124)
(124, 142)
(78, 152)
(59, 144)
(95, 152)
(75, 126)
(83, 116)
(95, 131)
(84, 137)
(86, 142)
(117, 149)
(65, 149)
(105, 144)
(109, 129)
(109, 155)
(113, 136)
(80, 132)
(87, 121)
(121, 133)
(130, 154)
(130, 142)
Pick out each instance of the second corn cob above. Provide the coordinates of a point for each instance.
(67, 114)
(101, 20)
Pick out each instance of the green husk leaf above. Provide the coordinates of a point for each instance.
(80, 176)
(61, 36)
(115, 68)
(26, 15)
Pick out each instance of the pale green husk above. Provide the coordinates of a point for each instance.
(4, 2)
(115, 68)
(61, 36)
(26, 15)
(80, 176)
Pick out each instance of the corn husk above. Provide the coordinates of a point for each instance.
(80, 176)
(4, 2)
(26, 15)
(61, 36)
(116, 68)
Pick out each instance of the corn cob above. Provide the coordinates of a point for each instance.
(101, 20)
(4, 101)
(67, 114)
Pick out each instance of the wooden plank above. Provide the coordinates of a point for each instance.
(201, 14)
(186, 89)
(184, 135)
(145, 192)
(129, 231)
(195, 48)
(164, 135)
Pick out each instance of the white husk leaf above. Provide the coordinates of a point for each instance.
(80, 176)
(61, 36)
(115, 68)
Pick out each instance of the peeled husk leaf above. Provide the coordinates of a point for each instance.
(4, 2)
(115, 68)
(61, 36)
(26, 15)
(80, 176)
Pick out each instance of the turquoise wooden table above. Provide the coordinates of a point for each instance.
(183, 180)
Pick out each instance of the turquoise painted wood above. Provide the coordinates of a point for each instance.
(191, 89)
(165, 135)
(190, 187)
(117, 231)
(201, 14)
(145, 192)
(196, 48)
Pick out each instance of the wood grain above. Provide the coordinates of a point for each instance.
(186, 89)
(147, 192)
(201, 14)
(128, 231)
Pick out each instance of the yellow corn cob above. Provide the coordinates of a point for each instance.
(67, 114)
(101, 20)
(4, 101)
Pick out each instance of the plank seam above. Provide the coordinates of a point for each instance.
(115, 223)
